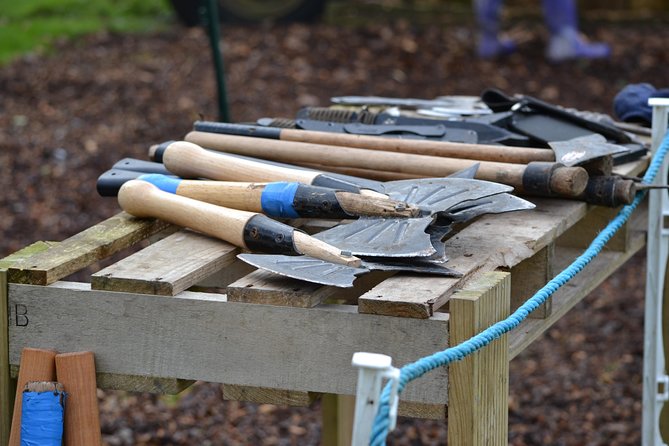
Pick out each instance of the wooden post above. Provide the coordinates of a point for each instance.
(7, 384)
(529, 276)
(6, 390)
(479, 384)
(337, 415)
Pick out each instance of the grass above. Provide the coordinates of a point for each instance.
(33, 25)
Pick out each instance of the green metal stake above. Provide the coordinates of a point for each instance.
(209, 16)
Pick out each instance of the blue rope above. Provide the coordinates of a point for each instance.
(417, 369)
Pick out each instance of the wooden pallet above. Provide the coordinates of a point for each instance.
(185, 309)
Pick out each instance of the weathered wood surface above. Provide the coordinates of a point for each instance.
(574, 291)
(200, 336)
(83, 249)
(582, 233)
(7, 389)
(168, 266)
(491, 242)
(264, 395)
(479, 384)
(529, 276)
(263, 287)
(132, 383)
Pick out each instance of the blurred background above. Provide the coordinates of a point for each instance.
(84, 83)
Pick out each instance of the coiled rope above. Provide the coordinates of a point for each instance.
(417, 369)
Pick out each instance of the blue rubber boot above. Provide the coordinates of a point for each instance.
(566, 43)
(490, 45)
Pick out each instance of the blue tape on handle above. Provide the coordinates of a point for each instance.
(42, 418)
(277, 199)
(162, 182)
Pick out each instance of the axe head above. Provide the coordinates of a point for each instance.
(579, 150)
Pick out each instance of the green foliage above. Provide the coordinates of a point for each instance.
(32, 25)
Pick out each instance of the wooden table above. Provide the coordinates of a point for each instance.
(183, 309)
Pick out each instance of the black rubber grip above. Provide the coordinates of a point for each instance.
(262, 234)
(111, 181)
(611, 191)
(537, 178)
(136, 165)
(317, 202)
(332, 182)
(237, 129)
(160, 150)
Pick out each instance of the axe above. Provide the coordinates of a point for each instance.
(537, 178)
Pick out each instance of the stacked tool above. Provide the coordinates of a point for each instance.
(398, 184)
(519, 140)
(397, 225)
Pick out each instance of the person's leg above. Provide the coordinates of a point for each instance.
(487, 15)
(565, 43)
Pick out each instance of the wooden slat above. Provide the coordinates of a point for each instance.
(132, 383)
(262, 287)
(479, 384)
(7, 389)
(574, 291)
(406, 295)
(222, 278)
(167, 267)
(418, 410)
(84, 249)
(263, 395)
(200, 336)
(529, 276)
(489, 243)
(582, 233)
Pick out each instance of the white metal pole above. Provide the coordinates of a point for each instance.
(655, 379)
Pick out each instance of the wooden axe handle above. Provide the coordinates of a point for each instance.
(418, 165)
(36, 365)
(188, 160)
(142, 199)
(233, 195)
(482, 152)
(249, 197)
(364, 173)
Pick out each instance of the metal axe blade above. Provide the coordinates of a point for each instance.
(326, 273)
(584, 148)
(386, 237)
(440, 194)
(444, 224)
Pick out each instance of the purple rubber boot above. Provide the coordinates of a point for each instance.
(566, 43)
(490, 45)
